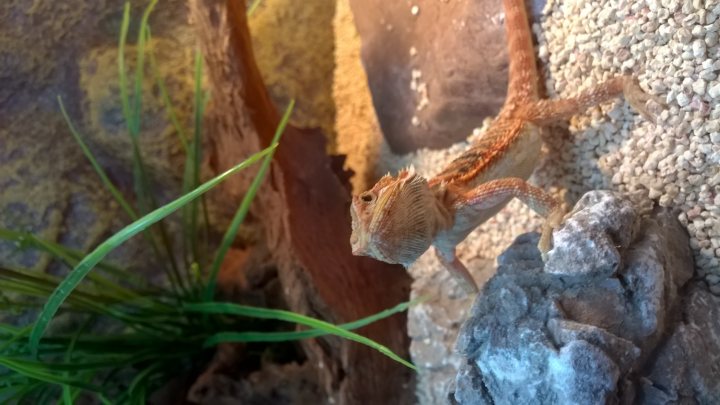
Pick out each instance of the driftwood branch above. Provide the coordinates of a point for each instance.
(304, 206)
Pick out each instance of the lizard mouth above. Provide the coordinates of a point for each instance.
(357, 250)
(359, 244)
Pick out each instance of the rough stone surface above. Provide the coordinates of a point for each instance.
(587, 244)
(639, 332)
(69, 49)
(293, 47)
(433, 325)
(686, 367)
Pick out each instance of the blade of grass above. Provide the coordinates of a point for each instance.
(91, 260)
(192, 162)
(98, 357)
(78, 303)
(68, 393)
(242, 211)
(122, 73)
(129, 108)
(67, 255)
(136, 112)
(137, 387)
(224, 337)
(98, 169)
(158, 326)
(133, 120)
(47, 394)
(104, 399)
(44, 393)
(199, 113)
(205, 245)
(287, 316)
(71, 258)
(13, 281)
(109, 362)
(19, 334)
(132, 112)
(14, 393)
(96, 166)
(41, 374)
(41, 284)
(165, 96)
(253, 7)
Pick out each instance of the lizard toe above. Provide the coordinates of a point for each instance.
(552, 222)
(638, 99)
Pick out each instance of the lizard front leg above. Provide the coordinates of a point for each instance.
(545, 112)
(457, 269)
(486, 196)
(472, 207)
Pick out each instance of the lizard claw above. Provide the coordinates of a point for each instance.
(552, 222)
(638, 99)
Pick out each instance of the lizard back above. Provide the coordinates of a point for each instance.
(509, 148)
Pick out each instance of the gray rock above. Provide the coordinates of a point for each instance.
(582, 373)
(466, 391)
(47, 186)
(590, 241)
(588, 327)
(433, 326)
(623, 351)
(686, 368)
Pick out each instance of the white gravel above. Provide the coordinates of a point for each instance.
(672, 47)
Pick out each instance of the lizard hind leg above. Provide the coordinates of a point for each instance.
(545, 112)
(637, 98)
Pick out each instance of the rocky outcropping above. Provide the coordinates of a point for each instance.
(612, 317)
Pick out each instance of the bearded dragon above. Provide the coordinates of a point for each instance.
(400, 217)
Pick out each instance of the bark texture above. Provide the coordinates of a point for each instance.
(304, 205)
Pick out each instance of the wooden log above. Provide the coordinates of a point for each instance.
(304, 205)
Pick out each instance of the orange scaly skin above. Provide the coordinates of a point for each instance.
(401, 217)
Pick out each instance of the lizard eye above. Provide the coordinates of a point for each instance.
(367, 197)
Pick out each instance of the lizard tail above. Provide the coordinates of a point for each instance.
(523, 84)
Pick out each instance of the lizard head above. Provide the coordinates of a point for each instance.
(395, 221)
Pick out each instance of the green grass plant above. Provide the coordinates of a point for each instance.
(105, 334)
